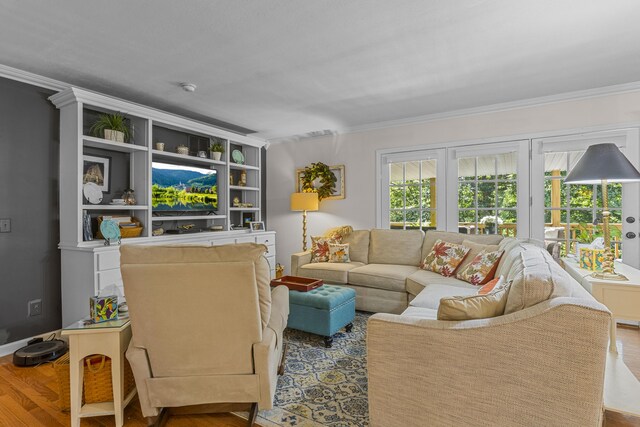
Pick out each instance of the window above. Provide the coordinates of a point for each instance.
(412, 194)
(488, 194)
(573, 213)
(412, 190)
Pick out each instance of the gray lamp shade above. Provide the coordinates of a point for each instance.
(603, 161)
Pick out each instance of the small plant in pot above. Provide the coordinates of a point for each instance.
(112, 127)
(216, 151)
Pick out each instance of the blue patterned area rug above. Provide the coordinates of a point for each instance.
(322, 386)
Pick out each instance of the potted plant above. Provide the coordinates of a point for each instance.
(216, 151)
(112, 127)
(489, 223)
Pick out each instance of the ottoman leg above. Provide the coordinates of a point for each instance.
(349, 327)
(328, 341)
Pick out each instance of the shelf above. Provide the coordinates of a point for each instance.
(240, 167)
(193, 159)
(115, 207)
(186, 217)
(244, 209)
(239, 187)
(124, 147)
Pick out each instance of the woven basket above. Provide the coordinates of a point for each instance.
(124, 231)
(97, 380)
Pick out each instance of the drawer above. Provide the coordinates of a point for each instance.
(108, 260)
(219, 242)
(109, 277)
(246, 239)
(266, 240)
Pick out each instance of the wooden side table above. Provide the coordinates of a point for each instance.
(110, 339)
(622, 298)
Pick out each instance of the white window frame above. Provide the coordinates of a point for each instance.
(382, 190)
(521, 148)
(629, 143)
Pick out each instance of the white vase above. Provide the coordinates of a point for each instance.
(216, 155)
(114, 135)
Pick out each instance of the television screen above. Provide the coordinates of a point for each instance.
(178, 188)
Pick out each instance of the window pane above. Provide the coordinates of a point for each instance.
(396, 217)
(396, 173)
(581, 196)
(396, 197)
(428, 219)
(429, 170)
(555, 193)
(507, 165)
(486, 194)
(507, 194)
(487, 221)
(581, 216)
(412, 218)
(412, 172)
(467, 169)
(555, 164)
(428, 198)
(466, 194)
(614, 191)
(467, 220)
(487, 167)
(412, 196)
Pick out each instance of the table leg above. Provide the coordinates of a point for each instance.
(117, 379)
(613, 347)
(76, 373)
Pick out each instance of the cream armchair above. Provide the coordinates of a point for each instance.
(207, 328)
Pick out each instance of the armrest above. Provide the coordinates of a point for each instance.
(527, 366)
(298, 260)
(139, 361)
(266, 356)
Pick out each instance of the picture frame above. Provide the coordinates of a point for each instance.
(338, 171)
(256, 226)
(97, 169)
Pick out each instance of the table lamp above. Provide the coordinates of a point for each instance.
(304, 202)
(600, 164)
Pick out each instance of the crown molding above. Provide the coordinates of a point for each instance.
(486, 109)
(32, 79)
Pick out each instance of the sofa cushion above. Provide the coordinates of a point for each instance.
(444, 258)
(400, 247)
(512, 250)
(431, 295)
(382, 276)
(533, 279)
(330, 272)
(421, 313)
(358, 241)
(421, 278)
(433, 235)
(474, 306)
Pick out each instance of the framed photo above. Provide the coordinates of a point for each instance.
(338, 171)
(256, 226)
(97, 169)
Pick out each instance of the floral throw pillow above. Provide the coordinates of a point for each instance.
(444, 258)
(482, 269)
(320, 248)
(339, 252)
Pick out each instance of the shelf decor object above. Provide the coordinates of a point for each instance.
(97, 170)
(304, 202)
(216, 151)
(237, 157)
(604, 163)
(112, 127)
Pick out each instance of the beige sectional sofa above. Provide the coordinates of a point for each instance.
(384, 268)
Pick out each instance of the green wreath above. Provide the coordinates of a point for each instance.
(327, 180)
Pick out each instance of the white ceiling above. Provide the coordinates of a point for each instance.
(290, 67)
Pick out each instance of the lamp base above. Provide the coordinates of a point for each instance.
(608, 276)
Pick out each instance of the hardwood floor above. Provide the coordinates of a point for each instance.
(28, 397)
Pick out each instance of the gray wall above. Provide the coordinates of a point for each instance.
(29, 257)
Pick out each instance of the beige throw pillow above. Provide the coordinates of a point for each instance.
(475, 306)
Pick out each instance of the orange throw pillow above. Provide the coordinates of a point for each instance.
(490, 285)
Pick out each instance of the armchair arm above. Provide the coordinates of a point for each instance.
(139, 361)
(298, 260)
(531, 367)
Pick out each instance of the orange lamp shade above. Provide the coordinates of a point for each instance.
(304, 201)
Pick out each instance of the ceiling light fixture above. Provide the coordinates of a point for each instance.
(188, 87)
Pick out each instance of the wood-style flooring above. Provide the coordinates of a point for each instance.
(28, 397)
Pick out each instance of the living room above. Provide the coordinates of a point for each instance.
(350, 141)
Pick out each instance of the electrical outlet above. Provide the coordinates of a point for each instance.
(35, 307)
(5, 226)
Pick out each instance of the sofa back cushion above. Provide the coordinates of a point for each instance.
(536, 277)
(451, 237)
(358, 241)
(401, 247)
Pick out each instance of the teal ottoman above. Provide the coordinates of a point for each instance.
(322, 311)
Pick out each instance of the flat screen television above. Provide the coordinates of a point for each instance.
(179, 188)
